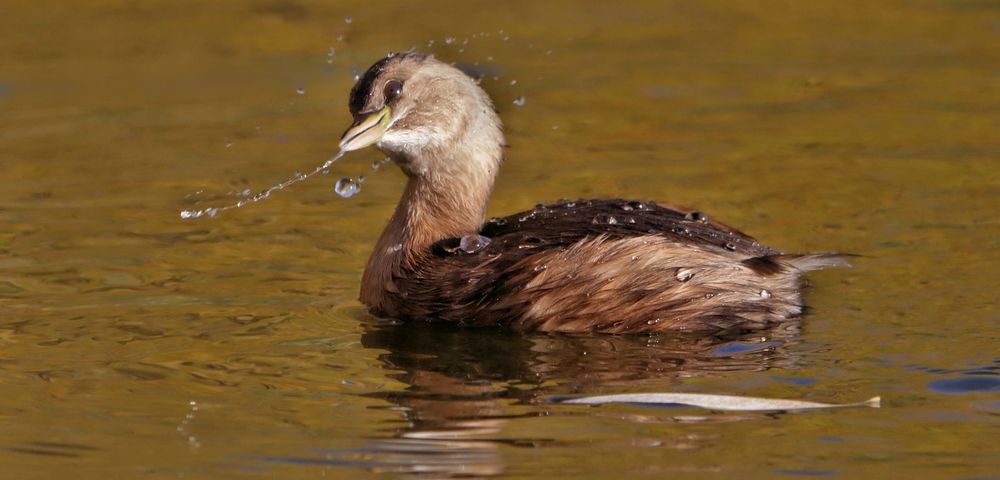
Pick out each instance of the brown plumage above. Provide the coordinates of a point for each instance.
(611, 266)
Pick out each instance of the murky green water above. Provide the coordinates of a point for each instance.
(135, 344)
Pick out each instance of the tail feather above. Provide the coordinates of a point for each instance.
(817, 261)
(768, 265)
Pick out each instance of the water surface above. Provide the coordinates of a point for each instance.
(137, 344)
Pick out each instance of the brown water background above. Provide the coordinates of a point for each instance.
(134, 344)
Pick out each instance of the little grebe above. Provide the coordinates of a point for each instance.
(611, 266)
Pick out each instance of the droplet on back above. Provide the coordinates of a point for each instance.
(604, 219)
(684, 275)
(473, 243)
(697, 217)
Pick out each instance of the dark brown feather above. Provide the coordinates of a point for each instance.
(502, 283)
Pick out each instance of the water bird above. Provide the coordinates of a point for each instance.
(602, 265)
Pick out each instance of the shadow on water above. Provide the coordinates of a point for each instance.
(463, 386)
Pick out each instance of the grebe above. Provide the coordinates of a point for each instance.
(609, 266)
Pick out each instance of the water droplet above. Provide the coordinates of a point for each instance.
(348, 20)
(449, 40)
(634, 257)
(300, 91)
(519, 101)
(331, 52)
(498, 221)
(730, 246)
(395, 248)
(229, 144)
(473, 243)
(513, 82)
(653, 321)
(684, 275)
(570, 204)
(765, 294)
(637, 205)
(186, 214)
(526, 217)
(539, 268)
(377, 164)
(531, 242)
(697, 217)
(347, 187)
(604, 219)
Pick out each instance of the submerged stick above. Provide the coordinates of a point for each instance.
(734, 403)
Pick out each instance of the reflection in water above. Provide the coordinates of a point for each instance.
(462, 386)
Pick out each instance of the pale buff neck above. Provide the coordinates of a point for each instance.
(446, 201)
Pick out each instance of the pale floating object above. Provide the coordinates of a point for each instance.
(733, 403)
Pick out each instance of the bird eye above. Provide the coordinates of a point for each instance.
(393, 88)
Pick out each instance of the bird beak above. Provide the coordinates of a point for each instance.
(366, 130)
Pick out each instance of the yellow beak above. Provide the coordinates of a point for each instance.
(366, 130)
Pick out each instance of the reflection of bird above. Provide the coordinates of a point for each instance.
(586, 266)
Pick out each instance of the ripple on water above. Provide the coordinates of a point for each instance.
(801, 381)
(736, 348)
(966, 384)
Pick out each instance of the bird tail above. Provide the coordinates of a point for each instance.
(817, 261)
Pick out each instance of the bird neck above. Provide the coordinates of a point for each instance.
(446, 201)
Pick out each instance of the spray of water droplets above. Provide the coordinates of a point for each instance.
(263, 194)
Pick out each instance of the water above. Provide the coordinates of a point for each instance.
(865, 127)
(473, 243)
(347, 187)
